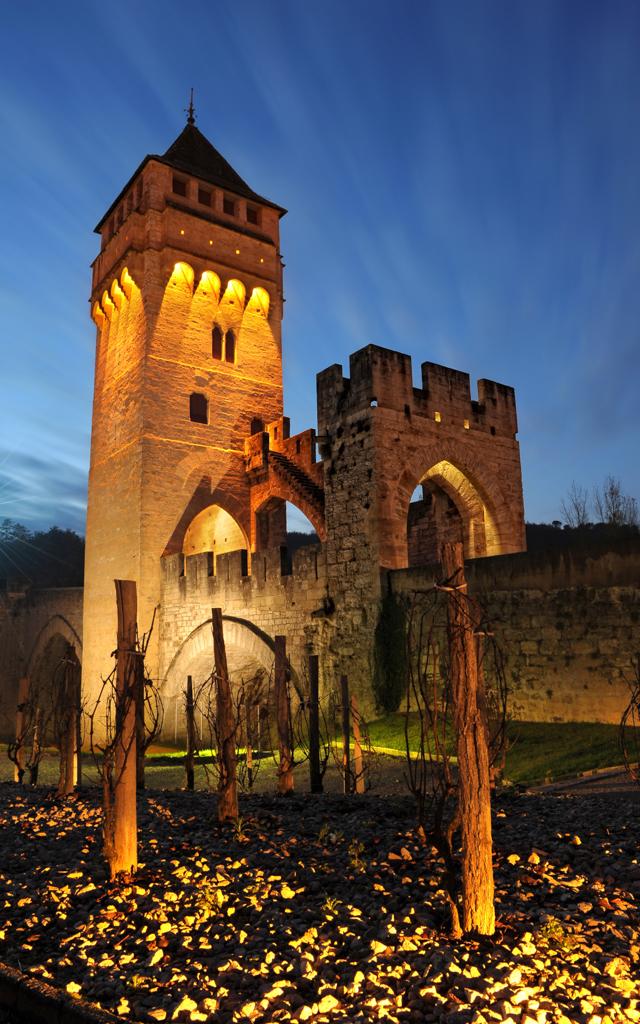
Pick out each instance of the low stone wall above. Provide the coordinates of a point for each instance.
(271, 600)
(27, 622)
(568, 623)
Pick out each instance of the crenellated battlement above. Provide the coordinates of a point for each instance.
(299, 449)
(229, 580)
(382, 378)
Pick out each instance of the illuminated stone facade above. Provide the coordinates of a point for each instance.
(191, 455)
(187, 298)
(192, 463)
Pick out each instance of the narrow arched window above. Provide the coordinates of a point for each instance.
(198, 408)
(216, 342)
(230, 347)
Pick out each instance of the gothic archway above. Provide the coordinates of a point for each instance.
(250, 653)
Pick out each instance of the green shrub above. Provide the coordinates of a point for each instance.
(390, 667)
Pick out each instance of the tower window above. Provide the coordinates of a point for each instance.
(228, 206)
(252, 215)
(216, 342)
(204, 196)
(230, 347)
(179, 186)
(198, 408)
(257, 425)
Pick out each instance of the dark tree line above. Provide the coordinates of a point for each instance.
(42, 558)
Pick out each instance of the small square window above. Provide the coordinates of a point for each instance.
(228, 206)
(179, 186)
(198, 408)
(204, 196)
(252, 215)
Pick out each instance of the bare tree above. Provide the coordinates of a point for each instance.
(575, 507)
(614, 507)
(33, 720)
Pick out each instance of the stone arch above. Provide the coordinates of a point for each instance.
(56, 625)
(267, 496)
(478, 497)
(203, 495)
(216, 530)
(248, 648)
(45, 669)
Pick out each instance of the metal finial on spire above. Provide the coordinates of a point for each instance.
(190, 111)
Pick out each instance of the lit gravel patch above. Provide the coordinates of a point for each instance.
(323, 909)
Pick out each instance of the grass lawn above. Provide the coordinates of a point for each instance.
(538, 751)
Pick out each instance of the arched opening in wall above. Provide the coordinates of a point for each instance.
(216, 531)
(250, 660)
(271, 524)
(47, 705)
(300, 529)
(280, 523)
(446, 507)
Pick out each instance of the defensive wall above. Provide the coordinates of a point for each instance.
(33, 623)
(568, 623)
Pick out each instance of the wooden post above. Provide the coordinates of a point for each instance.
(248, 733)
(36, 752)
(77, 763)
(346, 772)
(124, 854)
(140, 731)
(69, 709)
(285, 768)
(473, 760)
(23, 696)
(358, 761)
(226, 727)
(315, 775)
(191, 735)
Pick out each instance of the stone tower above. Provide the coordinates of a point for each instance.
(187, 300)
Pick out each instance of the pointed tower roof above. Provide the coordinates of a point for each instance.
(193, 154)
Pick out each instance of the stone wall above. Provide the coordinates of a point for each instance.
(568, 623)
(28, 622)
(277, 598)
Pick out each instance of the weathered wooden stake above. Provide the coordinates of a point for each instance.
(346, 767)
(36, 752)
(283, 715)
(358, 761)
(191, 735)
(473, 757)
(23, 696)
(140, 732)
(124, 852)
(69, 706)
(77, 765)
(226, 727)
(248, 733)
(315, 775)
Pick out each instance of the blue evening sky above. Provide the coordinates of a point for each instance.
(462, 180)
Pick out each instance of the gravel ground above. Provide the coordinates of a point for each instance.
(324, 909)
